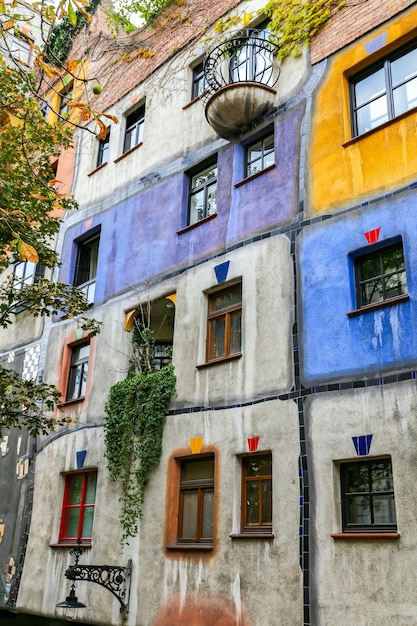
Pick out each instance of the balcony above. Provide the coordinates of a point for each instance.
(239, 76)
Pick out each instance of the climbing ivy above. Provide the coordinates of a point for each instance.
(135, 414)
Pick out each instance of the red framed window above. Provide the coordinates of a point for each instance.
(78, 506)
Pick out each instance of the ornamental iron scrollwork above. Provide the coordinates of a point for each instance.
(114, 578)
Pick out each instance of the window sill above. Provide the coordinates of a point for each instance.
(191, 226)
(71, 544)
(205, 547)
(100, 167)
(224, 359)
(380, 127)
(376, 535)
(379, 305)
(73, 401)
(193, 101)
(252, 176)
(125, 154)
(252, 535)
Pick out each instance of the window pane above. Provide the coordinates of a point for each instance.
(252, 503)
(75, 488)
(370, 87)
(384, 509)
(372, 292)
(202, 177)
(359, 510)
(217, 336)
(404, 68)
(405, 97)
(258, 465)
(197, 470)
(393, 260)
(212, 199)
(197, 207)
(235, 333)
(208, 514)
(87, 529)
(71, 523)
(189, 515)
(90, 496)
(228, 297)
(267, 502)
(372, 115)
(395, 285)
(357, 477)
(381, 476)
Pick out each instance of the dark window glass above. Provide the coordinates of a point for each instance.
(381, 275)
(86, 266)
(65, 96)
(385, 91)
(77, 379)
(257, 493)
(260, 155)
(198, 81)
(224, 323)
(162, 354)
(78, 506)
(203, 193)
(368, 496)
(196, 517)
(103, 149)
(134, 128)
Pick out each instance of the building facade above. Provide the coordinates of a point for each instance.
(265, 212)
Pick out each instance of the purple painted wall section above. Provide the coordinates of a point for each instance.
(139, 239)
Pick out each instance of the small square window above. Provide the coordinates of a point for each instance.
(196, 509)
(257, 493)
(380, 275)
(103, 149)
(260, 155)
(384, 91)
(224, 332)
(86, 266)
(202, 192)
(78, 507)
(134, 129)
(77, 379)
(368, 496)
(198, 81)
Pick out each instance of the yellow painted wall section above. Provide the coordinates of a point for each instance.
(344, 171)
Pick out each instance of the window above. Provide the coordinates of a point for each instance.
(198, 81)
(224, 323)
(385, 91)
(368, 496)
(103, 149)
(257, 493)
(251, 57)
(162, 354)
(25, 273)
(21, 48)
(196, 511)
(260, 155)
(134, 128)
(78, 507)
(77, 379)
(65, 97)
(380, 275)
(86, 267)
(203, 192)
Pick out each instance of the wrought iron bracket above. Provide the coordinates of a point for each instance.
(114, 578)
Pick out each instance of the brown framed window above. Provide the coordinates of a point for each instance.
(224, 332)
(78, 506)
(257, 493)
(196, 503)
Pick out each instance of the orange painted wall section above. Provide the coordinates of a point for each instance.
(344, 171)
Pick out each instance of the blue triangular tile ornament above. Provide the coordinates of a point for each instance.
(221, 271)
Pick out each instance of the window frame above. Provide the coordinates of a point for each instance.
(345, 492)
(385, 64)
(201, 485)
(135, 122)
(197, 81)
(227, 313)
(378, 252)
(77, 364)
(259, 528)
(87, 286)
(202, 187)
(82, 506)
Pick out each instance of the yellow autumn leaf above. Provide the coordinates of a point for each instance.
(27, 252)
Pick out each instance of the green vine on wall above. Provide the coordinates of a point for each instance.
(136, 410)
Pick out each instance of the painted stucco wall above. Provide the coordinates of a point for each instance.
(358, 581)
(333, 345)
(376, 162)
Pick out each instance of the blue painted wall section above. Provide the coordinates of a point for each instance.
(334, 346)
(147, 223)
